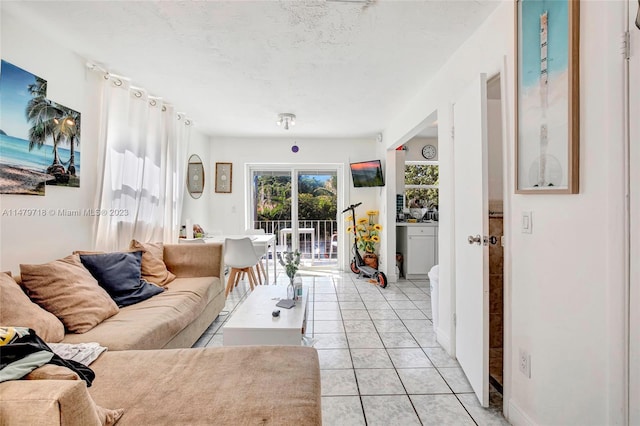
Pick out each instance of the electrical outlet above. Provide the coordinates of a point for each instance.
(524, 363)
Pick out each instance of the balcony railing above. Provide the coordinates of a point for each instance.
(323, 231)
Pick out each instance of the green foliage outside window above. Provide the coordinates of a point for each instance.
(317, 198)
(424, 175)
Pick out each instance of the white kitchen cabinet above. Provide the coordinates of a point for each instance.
(419, 244)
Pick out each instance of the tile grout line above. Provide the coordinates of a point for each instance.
(346, 337)
(386, 349)
(412, 333)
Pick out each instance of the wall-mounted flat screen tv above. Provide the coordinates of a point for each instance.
(367, 174)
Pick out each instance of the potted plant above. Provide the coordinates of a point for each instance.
(291, 264)
(367, 236)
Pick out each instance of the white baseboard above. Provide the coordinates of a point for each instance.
(392, 278)
(444, 339)
(517, 416)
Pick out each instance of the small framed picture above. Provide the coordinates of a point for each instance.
(224, 177)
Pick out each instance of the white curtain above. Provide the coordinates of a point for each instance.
(141, 167)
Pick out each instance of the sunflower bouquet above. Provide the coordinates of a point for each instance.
(367, 231)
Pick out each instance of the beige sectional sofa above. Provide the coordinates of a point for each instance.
(175, 318)
(152, 376)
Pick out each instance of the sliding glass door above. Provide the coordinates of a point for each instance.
(299, 205)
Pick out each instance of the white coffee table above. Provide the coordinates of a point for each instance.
(253, 324)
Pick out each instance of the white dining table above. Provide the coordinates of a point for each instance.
(261, 243)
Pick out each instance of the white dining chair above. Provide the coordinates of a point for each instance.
(240, 256)
(260, 266)
(333, 245)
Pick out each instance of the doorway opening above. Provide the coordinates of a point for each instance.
(479, 188)
(496, 230)
(299, 206)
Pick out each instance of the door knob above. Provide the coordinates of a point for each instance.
(475, 240)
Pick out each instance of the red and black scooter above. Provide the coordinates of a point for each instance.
(357, 263)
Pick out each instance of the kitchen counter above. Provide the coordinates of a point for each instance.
(430, 223)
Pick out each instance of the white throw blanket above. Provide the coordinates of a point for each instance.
(84, 353)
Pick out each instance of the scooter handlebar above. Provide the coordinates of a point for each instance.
(351, 207)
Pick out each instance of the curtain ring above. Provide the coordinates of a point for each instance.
(152, 102)
(164, 108)
(188, 122)
(138, 94)
(117, 82)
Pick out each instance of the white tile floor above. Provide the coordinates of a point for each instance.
(379, 360)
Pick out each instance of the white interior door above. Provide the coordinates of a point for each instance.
(471, 221)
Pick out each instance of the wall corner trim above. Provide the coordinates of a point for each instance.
(443, 339)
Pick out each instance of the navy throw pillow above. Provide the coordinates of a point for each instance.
(119, 274)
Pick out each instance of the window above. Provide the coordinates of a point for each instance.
(421, 184)
(300, 205)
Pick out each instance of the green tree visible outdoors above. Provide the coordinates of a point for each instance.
(273, 198)
(419, 174)
(317, 199)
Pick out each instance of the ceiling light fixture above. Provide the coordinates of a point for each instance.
(286, 120)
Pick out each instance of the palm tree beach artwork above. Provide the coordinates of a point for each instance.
(39, 138)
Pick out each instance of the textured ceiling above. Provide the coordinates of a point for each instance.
(344, 68)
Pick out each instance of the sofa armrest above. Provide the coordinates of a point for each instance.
(47, 402)
(195, 260)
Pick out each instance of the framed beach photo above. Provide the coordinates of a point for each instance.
(39, 138)
(23, 160)
(548, 96)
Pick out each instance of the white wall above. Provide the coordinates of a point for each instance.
(400, 159)
(438, 95)
(414, 148)
(573, 305)
(42, 239)
(197, 209)
(565, 289)
(228, 212)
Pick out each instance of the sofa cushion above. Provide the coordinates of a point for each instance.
(17, 310)
(119, 274)
(250, 385)
(152, 323)
(154, 269)
(67, 290)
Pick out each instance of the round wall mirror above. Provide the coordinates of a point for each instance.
(195, 176)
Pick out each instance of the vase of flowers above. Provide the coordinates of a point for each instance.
(291, 263)
(367, 236)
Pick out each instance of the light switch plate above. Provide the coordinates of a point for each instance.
(527, 222)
